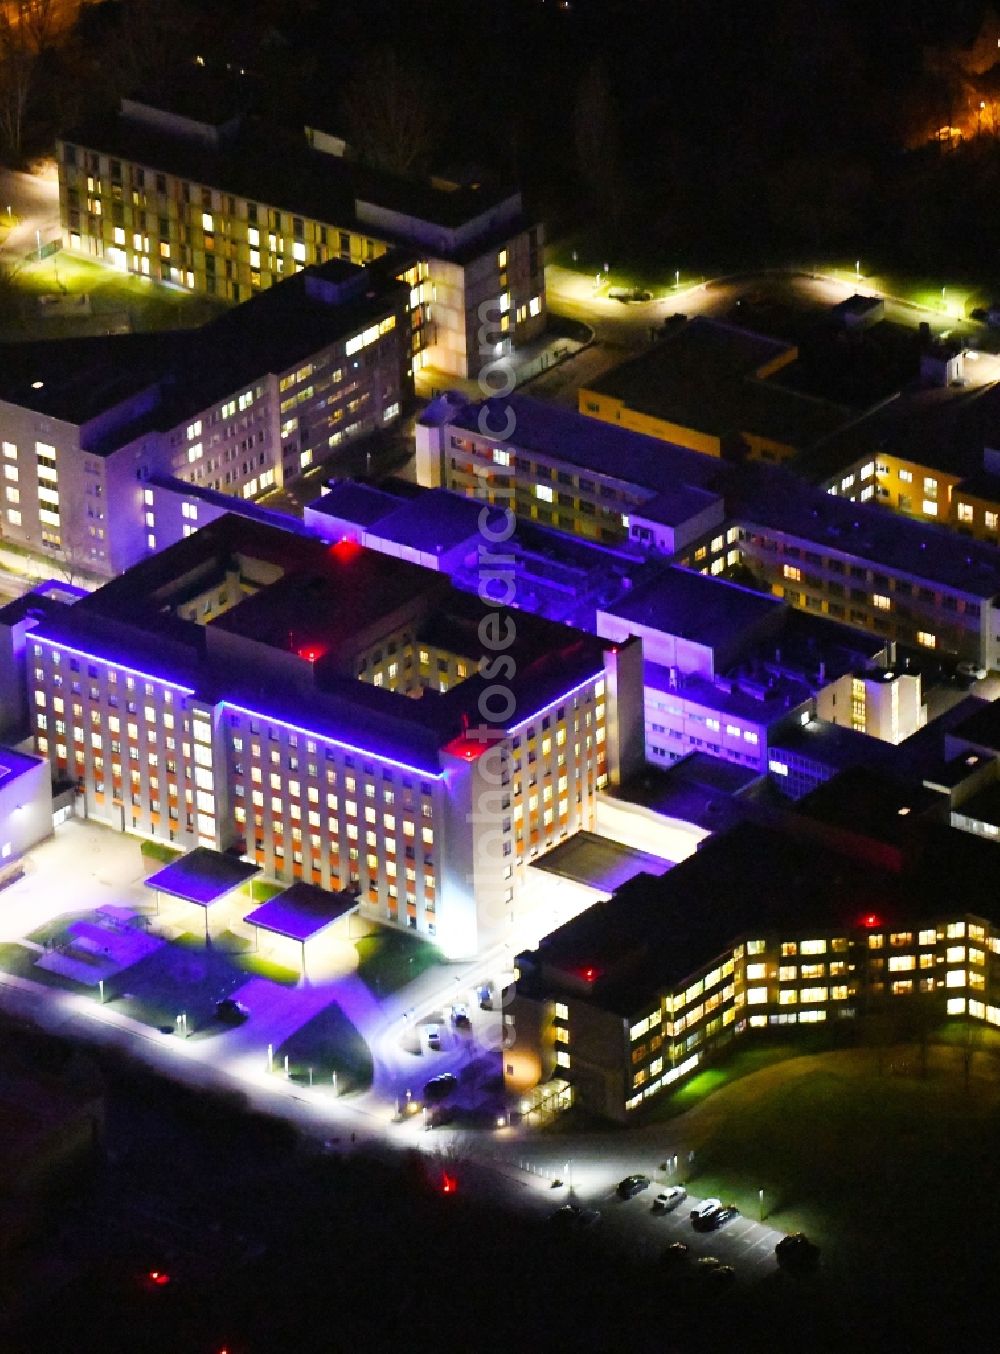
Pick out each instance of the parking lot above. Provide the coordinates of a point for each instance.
(524, 1170)
(633, 1225)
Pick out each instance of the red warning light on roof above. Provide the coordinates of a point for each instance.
(449, 1185)
(345, 549)
(870, 921)
(310, 652)
(589, 974)
(158, 1277)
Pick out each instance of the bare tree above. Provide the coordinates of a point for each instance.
(72, 557)
(598, 145)
(17, 67)
(389, 114)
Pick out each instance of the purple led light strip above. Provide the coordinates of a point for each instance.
(35, 637)
(330, 738)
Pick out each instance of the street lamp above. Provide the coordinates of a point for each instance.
(761, 1196)
(677, 277)
(857, 269)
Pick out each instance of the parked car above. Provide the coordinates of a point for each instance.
(797, 1253)
(632, 1185)
(439, 1088)
(434, 1036)
(230, 1010)
(667, 1200)
(485, 994)
(712, 1268)
(439, 1117)
(970, 672)
(676, 1253)
(704, 1211)
(721, 1216)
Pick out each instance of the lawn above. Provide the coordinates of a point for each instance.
(119, 302)
(329, 1043)
(867, 1163)
(388, 960)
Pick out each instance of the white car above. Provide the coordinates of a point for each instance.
(705, 1209)
(973, 672)
(434, 1036)
(668, 1199)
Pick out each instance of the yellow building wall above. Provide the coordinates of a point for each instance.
(985, 515)
(891, 475)
(611, 410)
(765, 449)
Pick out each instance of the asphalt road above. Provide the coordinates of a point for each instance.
(34, 199)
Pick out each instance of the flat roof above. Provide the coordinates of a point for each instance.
(871, 803)
(754, 880)
(702, 375)
(270, 164)
(697, 789)
(183, 372)
(695, 607)
(778, 500)
(435, 522)
(316, 606)
(588, 858)
(565, 436)
(983, 806)
(760, 703)
(362, 504)
(202, 876)
(302, 911)
(982, 726)
(833, 746)
(14, 764)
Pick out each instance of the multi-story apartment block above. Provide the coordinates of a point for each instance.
(761, 929)
(902, 580)
(241, 406)
(322, 710)
(215, 202)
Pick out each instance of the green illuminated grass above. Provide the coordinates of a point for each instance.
(119, 301)
(328, 1043)
(850, 1156)
(388, 960)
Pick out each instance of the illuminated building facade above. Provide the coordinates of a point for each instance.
(317, 708)
(213, 202)
(900, 580)
(240, 407)
(759, 930)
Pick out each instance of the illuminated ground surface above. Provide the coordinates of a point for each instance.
(41, 301)
(878, 1168)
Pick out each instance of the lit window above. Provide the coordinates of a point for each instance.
(965, 512)
(930, 508)
(925, 638)
(906, 476)
(778, 768)
(790, 571)
(881, 602)
(991, 521)
(544, 492)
